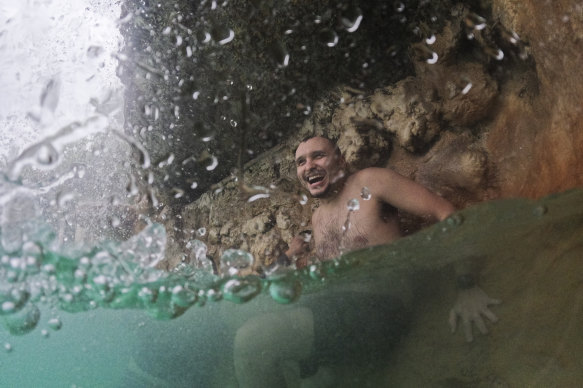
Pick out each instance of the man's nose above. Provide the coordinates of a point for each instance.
(309, 164)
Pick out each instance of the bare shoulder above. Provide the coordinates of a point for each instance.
(372, 174)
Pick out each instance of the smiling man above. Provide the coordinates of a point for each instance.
(376, 192)
(355, 322)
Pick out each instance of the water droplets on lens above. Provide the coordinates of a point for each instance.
(351, 19)
(328, 37)
(353, 205)
(365, 193)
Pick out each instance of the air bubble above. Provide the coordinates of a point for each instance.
(183, 297)
(430, 40)
(286, 290)
(7, 347)
(241, 290)
(235, 260)
(23, 321)
(540, 210)
(455, 220)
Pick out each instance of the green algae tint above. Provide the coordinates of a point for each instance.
(112, 300)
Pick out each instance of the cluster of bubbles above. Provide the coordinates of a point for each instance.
(124, 275)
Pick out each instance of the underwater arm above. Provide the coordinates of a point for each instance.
(472, 303)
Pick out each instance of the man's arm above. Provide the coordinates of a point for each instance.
(403, 193)
(472, 302)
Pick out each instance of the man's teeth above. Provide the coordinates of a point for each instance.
(315, 178)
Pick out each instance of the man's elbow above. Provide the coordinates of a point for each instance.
(445, 210)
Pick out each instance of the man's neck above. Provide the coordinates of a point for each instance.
(334, 191)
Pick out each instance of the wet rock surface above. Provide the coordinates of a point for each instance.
(516, 131)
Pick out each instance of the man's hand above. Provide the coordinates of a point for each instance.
(470, 306)
(298, 246)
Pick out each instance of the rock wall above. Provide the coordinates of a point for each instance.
(537, 132)
(472, 125)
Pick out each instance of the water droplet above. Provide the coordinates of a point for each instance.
(178, 193)
(233, 123)
(214, 163)
(328, 37)
(7, 347)
(255, 197)
(195, 95)
(223, 35)
(433, 59)
(467, 88)
(351, 19)
(194, 185)
(79, 171)
(47, 154)
(286, 290)
(365, 193)
(455, 219)
(475, 22)
(540, 210)
(241, 290)
(399, 6)
(64, 198)
(94, 51)
(279, 54)
(430, 40)
(45, 333)
(55, 324)
(115, 221)
(353, 205)
(303, 199)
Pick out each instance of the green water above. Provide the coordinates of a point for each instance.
(114, 312)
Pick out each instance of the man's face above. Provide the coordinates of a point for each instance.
(318, 166)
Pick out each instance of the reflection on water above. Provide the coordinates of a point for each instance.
(90, 185)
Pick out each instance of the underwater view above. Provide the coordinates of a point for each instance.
(291, 193)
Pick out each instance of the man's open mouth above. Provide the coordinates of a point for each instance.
(315, 179)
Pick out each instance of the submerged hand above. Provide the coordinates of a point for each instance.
(470, 306)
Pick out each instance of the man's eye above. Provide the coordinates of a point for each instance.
(300, 162)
